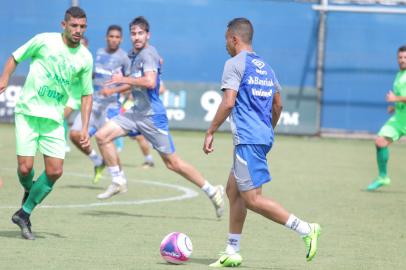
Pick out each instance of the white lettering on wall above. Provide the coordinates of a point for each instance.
(210, 101)
(289, 119)
(9, 99)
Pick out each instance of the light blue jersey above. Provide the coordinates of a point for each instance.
(256, 84)
(104, 108)
(146, 101)
(107, 64)
(148, 115)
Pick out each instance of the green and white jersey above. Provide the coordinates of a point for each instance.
(53, 70)
(399, 89)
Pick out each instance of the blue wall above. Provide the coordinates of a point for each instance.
(360, 57)
(360, 67)
(188, 34)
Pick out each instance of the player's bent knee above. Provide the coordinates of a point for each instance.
(24, 169)
(54, 173)
(229, 191)
(74, 135)
(381, 142)
(251, 203)
(173, 166)
(101, 138)
(172, 162)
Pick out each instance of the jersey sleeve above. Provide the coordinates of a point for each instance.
(150, 63)
(232, 74)
(29, 49)
(86, 79)
(277, 85)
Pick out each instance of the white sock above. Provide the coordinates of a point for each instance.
(117, 175)
(208, 189)
(95, 158)
(299, 226)
(148, 159)
(233, 244)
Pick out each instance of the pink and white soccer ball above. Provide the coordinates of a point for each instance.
(176, 248)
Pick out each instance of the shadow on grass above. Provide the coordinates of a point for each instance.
(206, 261)
(383, 191)
(203, 261)
(131, 165)
(103, 214)
(181, 266)
(137, 166)
(265, 268)
(83, 187)
(38, 235)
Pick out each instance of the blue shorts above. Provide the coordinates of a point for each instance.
(250, 166)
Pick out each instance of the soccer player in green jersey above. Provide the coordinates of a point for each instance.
(395, 127)
(57, 59)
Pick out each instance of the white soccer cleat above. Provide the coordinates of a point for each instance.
(112, 190)
(218, 200)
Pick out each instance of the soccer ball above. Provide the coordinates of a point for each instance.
(176, 248)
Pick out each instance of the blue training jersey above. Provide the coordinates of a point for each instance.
(107, 64)
(256, 84)
(147, 101)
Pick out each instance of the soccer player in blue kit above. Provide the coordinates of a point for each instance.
(108, 61)
(251, 97)
(146, 117)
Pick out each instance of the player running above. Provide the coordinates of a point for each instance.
(56, 61)
(108, 61)
(395, 127)
(252, 100)
(146, 117)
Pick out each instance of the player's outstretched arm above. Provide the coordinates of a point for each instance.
(223, 111)
(276, 109)
(8, 69)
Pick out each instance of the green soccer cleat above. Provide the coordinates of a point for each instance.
(228, 260)
(311, 241)
(379, 182)
(98, 173)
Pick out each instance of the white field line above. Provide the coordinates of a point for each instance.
(187, 194)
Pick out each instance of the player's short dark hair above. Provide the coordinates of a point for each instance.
(402, 48)
(141, 22)
(242, 27)
(114, 27)
(74, 12)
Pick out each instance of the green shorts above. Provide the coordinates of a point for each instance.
(73, 103)
(36, 133)
(393, 129)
